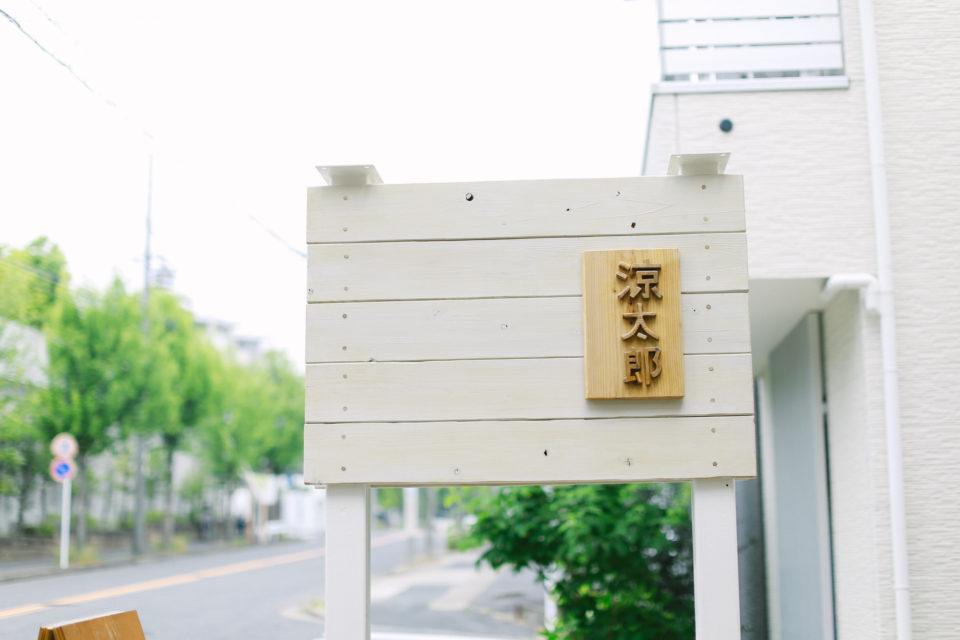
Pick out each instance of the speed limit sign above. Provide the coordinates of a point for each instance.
(64, 445)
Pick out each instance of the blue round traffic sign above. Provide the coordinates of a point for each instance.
(62, 469)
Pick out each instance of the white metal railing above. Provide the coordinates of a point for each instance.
(742, 44)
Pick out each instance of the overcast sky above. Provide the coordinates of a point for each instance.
(242, 100)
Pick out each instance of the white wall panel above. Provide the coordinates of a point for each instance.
(523, 452)
(752, 59)
(521, 268)
(497, 328)
(536, 389)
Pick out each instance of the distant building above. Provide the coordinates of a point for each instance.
(786, 87)
(221, 334)
(23, 355)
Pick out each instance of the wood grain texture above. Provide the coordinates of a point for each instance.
(121, 626)
(525, 452)
(536, 208)
(505, 268)
(497, 328)
(509, 389)
(610, 291)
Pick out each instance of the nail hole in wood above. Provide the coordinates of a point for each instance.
(346, 288)
(343, 436)
(706, 219)
(709, 339)
(544, 452)
(343, 468)
(344, 408)
(711, 368)
(713, 429)
(708, 277)
(344, 228)
(344, 347)
(456, 472)
(711, 400)
(709, 307)
(469, 197)
(703, 187)
(344, 376)
(715, 463)
(633, 225)
(346, 257)
(344, 315)
(707, 247)
(344, 197)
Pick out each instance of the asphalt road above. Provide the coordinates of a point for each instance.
(273, 591)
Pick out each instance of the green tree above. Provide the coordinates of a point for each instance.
(618, 557)
(283, 451)
(182, 366)
(97, 375)
(31, 280)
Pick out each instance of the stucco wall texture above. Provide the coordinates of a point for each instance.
(805, 158)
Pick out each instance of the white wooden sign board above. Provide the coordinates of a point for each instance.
(445, 347)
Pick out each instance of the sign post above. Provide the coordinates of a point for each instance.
(62, 469)
(536, 332)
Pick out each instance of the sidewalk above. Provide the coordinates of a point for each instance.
(447, 597)
(49, 565)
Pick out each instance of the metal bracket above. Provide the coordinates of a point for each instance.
(697, 164)
(350, 174)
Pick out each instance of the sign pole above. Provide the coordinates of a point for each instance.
(65, 489)
(347, 584)
(716, 584)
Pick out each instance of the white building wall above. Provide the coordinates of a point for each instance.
(805, 158)
(919, 55)
(863, 569)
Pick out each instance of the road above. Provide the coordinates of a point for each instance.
(276, 591)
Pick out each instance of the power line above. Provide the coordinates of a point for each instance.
(107, 101)
(52, 55)
(280, 239)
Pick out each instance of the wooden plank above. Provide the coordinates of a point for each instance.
(618, 206)
(120, 626)
(696, 9)
(742, 32)
(716, 587)
(529, 452)
(505, 268)
(642, 358)
(509, 389)
(347, 588)
(498, 328)
(756, 59)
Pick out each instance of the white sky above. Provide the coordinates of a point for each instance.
(244, 99)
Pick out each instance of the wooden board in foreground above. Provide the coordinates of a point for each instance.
(113, 626)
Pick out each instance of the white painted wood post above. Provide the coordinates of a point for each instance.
(347, 581)
(716, 581)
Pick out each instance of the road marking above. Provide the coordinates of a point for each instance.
(184, 578)
(170, 581)
(19, 611)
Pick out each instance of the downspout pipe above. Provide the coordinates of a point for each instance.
(888, 328)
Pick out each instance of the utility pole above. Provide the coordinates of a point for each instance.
(140, 519)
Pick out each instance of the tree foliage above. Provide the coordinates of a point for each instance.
(113, 372)
(618, 557)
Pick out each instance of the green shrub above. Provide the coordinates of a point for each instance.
(620, 557)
